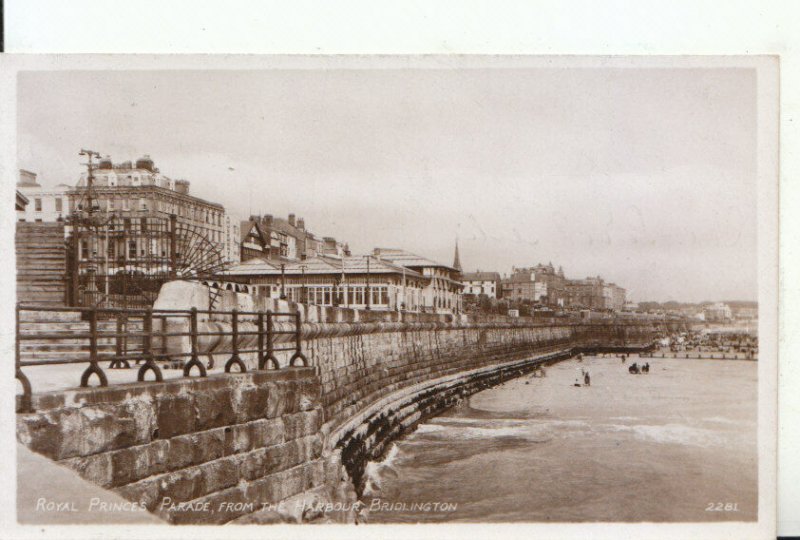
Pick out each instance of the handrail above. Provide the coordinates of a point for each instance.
(251, 332)
(154, 341)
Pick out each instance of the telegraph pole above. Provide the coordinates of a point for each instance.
(80, 223)
(90, 177)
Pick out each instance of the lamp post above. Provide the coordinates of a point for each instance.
(335, 292)
(303, 299)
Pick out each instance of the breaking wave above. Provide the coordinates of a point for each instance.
(376, 471)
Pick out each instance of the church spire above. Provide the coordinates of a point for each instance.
(456, 260)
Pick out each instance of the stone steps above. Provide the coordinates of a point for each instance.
(69, 347)
(41, 260)
(49, 316)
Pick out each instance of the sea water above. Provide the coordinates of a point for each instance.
(677, 444)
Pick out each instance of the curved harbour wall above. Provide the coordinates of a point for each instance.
(231, 446)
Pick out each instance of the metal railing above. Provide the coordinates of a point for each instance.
(152, 344)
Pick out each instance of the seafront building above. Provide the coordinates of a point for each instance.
(137, 207)
(387, 279)
(45, 204)
(540, 284)
(130, 228)
(139, 190)
(287, 240)
(596, 294)
(359, 282)
(718, 312)
(547, 286)
(481, 283)
(443, 289)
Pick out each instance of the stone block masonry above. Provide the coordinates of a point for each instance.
(200, 442)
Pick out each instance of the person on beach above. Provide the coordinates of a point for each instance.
(587, 381)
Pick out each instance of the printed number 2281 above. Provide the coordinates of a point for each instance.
(722, 507)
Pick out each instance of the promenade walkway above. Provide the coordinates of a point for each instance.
(49, 494)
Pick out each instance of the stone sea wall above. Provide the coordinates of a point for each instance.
(217, 449)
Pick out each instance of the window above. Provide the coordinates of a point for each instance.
(125, 204)
(110, 206)
(37, 204)
(59, 204)
(131, 249)
(84, 249)
(142, 204)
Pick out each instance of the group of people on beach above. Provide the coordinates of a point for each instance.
(587, 380)
(635, 369)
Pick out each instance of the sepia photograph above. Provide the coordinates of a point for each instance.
(366, 290)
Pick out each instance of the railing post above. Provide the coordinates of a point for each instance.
(260, 324)
(173, 246)
(26, 400)
(93, 366)
(163, 340)
(270, 335)
(194, 360)
(297, 324)
(121, 346)
(234, 359)
(147, 329)
(298, 343)
(147, 348)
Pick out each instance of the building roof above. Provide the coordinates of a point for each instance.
(457, 260)
(406, 258)
(480, 276)
(320, 266)
(79, 189)
(21, 201)
(244, 229)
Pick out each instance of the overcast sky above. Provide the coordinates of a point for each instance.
(646, 177)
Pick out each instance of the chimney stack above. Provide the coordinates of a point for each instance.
(301, 224)
(27, 178)
(182, 186)
(291, 220)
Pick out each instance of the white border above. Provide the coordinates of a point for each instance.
(767, 243)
